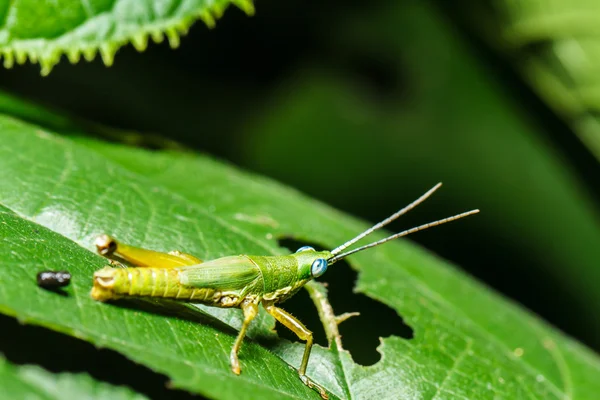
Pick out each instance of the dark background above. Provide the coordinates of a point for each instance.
(365, 105)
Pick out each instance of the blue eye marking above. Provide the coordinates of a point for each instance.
(304, 248)
(318, 267)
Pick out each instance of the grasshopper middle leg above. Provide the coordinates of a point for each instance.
(250, 310)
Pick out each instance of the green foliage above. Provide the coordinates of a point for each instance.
(454, 121)
(58, 193)
(44, 31)
(557, 47)
(438, 116)
(31, 382)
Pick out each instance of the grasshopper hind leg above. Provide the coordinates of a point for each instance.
(185, 257)
(139, 257)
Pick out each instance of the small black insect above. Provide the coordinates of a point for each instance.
(53, 279)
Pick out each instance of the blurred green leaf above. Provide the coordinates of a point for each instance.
(443, 116)
(44, 31)
(58, 194)
(556, 45)
(33, 383)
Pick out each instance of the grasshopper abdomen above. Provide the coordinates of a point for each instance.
(113, 283)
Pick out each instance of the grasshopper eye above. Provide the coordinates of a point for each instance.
(304, 248)
(318, 267)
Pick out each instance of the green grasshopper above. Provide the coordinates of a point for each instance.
(235, 281)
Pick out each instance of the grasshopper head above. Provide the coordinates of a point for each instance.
(312, 263)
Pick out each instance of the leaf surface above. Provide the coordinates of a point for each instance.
(58, 193)
(555, 46)
(32, 382)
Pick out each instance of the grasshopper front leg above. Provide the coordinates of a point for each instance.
(292, 323)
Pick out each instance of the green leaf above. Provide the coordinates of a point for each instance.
(453, 121)
(58, 194)
(193, 354)
(555, 45)
(44, 31)
(32, 382)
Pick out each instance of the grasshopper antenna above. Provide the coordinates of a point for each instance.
(403, 233)
(386, 221)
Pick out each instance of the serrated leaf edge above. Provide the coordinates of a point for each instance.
(48, 55)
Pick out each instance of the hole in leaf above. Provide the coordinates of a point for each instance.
(55, 352)
(360, 334)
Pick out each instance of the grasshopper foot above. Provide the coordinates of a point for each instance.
(321, 390)
(235, 363)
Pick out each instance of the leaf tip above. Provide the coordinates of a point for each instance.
(9, 59)
(173, 37)
(246, 6)
(107, 52)
(33, 57)
(89, 53)
(157, 36)
(20, 56)
(208, 18)
(47, 64)
(73, 55)
(140, 41)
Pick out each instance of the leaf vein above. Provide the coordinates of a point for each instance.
(457, 361)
